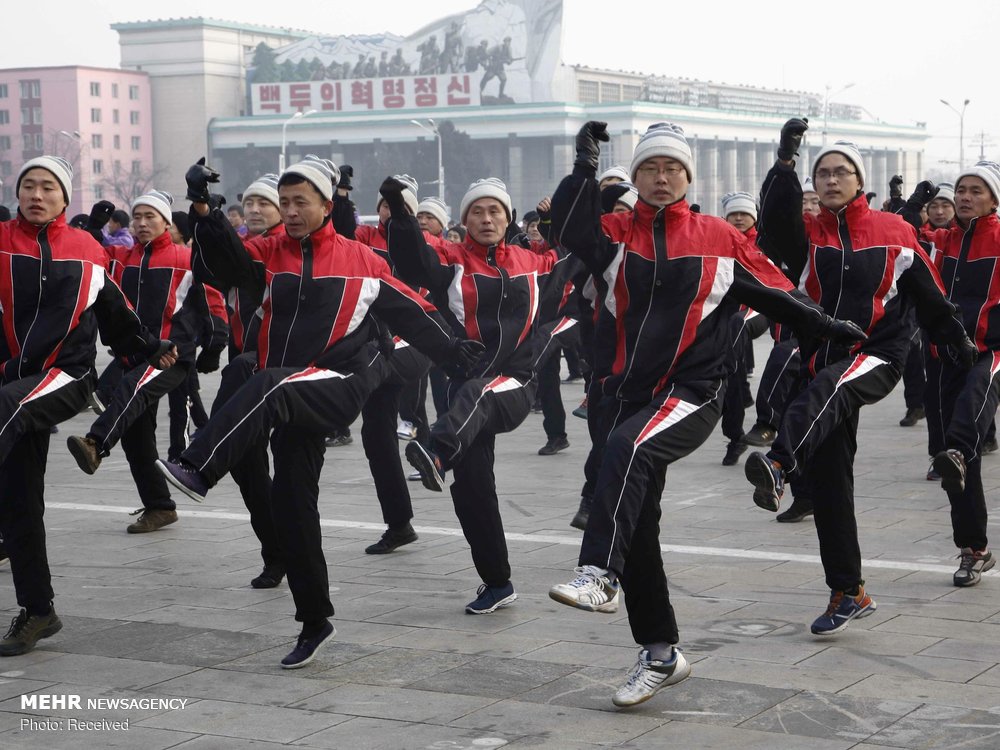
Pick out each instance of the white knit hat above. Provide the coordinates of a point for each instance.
(265, 186)
(159, 200)
(616, 171)
(849, 150)
(491, 187)
(663, 139)
(807, 185)
(988, 172)
(323, 174)
(741, 202)
(630, 197)
(58, 166)
(409, 193)
(436, 208)
(946, 191)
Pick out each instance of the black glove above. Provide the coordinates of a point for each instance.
(964, 353)
(392, 191)
(151, 357)
(791, 137)
(611, 194)
(923, 193)
(696, 208)
(346, 173)
(588, 147)
(870, 197)
(197, 178)
(208, 361)
(896, 187)
(842, 331)
(216, 201)
(100, 214)
(466, 352)
(513, 230)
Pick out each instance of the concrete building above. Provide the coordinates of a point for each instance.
(97, 118)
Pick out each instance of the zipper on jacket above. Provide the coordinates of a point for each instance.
(44, 261)
(305, 246)
(491, 260)
(963, 254)
(659, 245)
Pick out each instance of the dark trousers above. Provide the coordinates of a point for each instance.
(914, 376)
(464, 438)
(744, 328)
(29, 408)
(781, 372)
(439, 391)
(623, 531)
(549, 393)
(960, 408)
(817, 440)
(413, 399)
(130, 417)
(598, 428)
(186, 408)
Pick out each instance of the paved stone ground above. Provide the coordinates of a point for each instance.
(171, 615)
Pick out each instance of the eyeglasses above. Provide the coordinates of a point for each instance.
(838, 174)
(652, 171)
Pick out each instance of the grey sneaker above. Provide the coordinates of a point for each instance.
(84, 450)
(26, 630)
(590, 590)
(972, 566)
(649, 676)
(151, 520)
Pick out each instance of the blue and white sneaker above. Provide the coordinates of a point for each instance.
(432, 473)
(768, 480)
(491, 598)
(591, 590)
(842, 609)
(306, 648)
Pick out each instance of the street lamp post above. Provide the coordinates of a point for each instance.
(298, 115)
(437, 134)
(961, 131)
(826, 106)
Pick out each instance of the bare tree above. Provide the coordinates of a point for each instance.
(121, 185)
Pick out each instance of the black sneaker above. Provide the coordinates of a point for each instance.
(307, 648)
(581, 410)
(768, 480)
(339, 441)
(972, 566)
(433, 476)
(734, 450)
(26, 630)
(912, 416)
(553, 446)
(4, 559)
(269, 577)
(950, 466)
(932, 475)
(801, 507)
(184, 477)
(582, 515)
(491, 598)
(990, 446)
(392, 539)
(760, 435)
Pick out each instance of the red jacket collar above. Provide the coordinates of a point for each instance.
(159, 243)
(857, 208)
(32, 230)
(483, 251)
(645, 212)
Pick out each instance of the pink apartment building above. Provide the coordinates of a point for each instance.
(99, 119)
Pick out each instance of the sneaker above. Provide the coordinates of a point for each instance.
(649, 676)
(990, 446)
(26, 630)
(553, 446)
(307, 648)
(184, 477)
(760, 435)
(269, 577)
(950, 466)
(768, 480)
(734, 450)
(581, 410)
(801, 507)
(491, 598)
(338, 441)
(84, 450)
(932, 475)
(912, 416)
(392, 539)
(151, 519)
(842, 609)
(582, 515)
(573, 377)
(405, 430)
(95, 403)
(414, 476)
(590, 590)
(972, 567)
(536, 408)
(434, 477)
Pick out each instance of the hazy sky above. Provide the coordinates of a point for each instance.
(902, 57)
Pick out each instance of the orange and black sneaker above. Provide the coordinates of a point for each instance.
(843, 608)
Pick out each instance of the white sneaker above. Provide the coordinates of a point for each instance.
(405, 430)
(590, 590)
(649, 676)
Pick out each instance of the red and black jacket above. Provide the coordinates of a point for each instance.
(491, 294)
(55, 294)
(158, 281)
(321, 295)
(674, 279)
(969, 262)
(860, 265)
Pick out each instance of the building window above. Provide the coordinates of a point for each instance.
(95, 88)
(589, 92)
(4, 143)
(611, 92)
(96, 140)
(114, 90)
(114, 116)
(31, 89)
(136, 166)
(631, 93)
(95, 114)
(4, 117)
(37, 115)
(136, 143)
(116, 141)
(98, 193)
(133, 117)
(39, 141)
(29, 141)
(3, 90)
(25, 115)
(98, 166)
(117, 166)
(6, 168)
(133, 92)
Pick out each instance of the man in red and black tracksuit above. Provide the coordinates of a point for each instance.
(491, 292)
(156, 277)
(865, 266)
(55, 294)
(319, 356)
(961, 402)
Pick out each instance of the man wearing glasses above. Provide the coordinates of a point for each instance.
(865, 266)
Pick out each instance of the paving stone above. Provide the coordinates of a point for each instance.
(932, 727)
